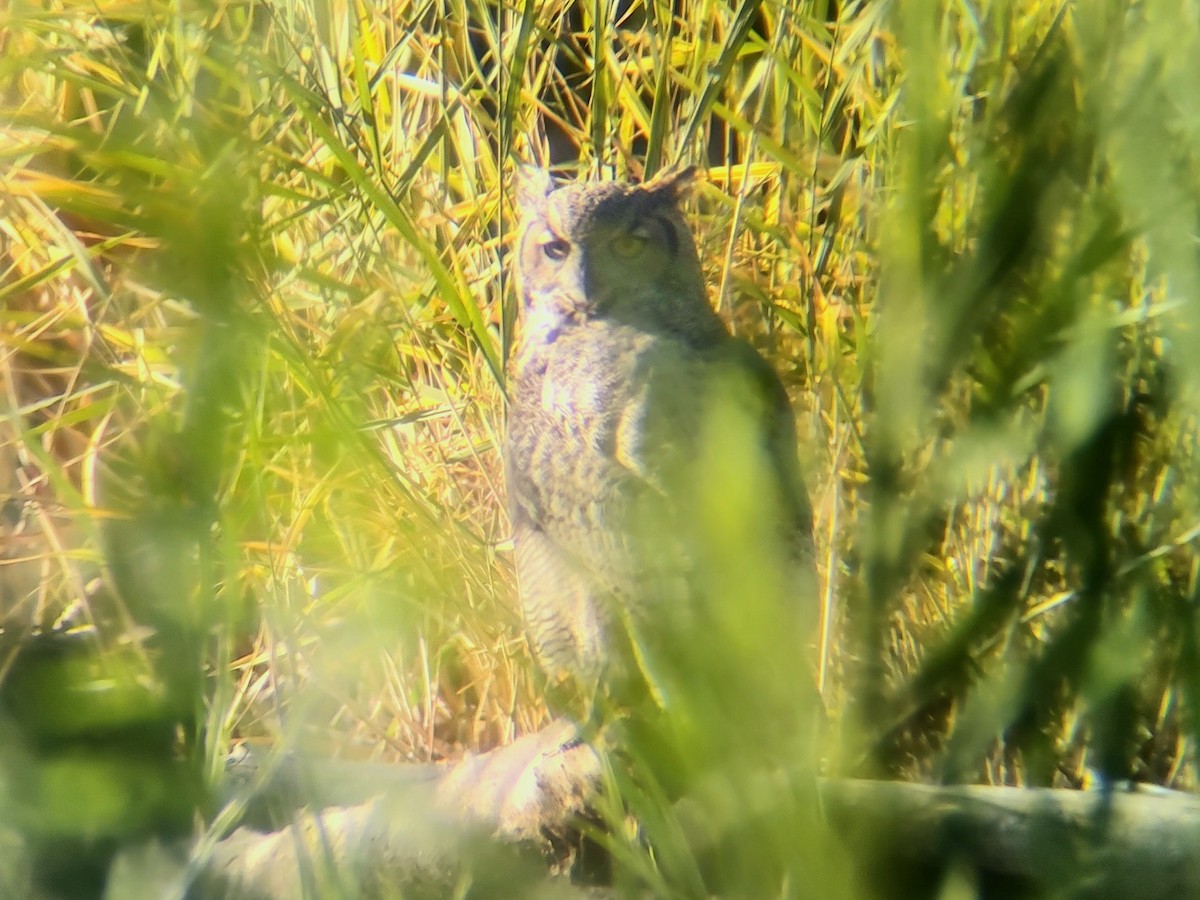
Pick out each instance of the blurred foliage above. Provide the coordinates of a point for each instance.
(255, 321)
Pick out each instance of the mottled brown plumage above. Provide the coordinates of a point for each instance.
(644, 441)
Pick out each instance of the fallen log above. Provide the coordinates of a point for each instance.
(1139, 843)
(419, 830)
(427, 825)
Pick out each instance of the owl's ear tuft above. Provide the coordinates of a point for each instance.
(532, 184)
(673, 184)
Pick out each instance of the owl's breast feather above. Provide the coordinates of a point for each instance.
(588, 370)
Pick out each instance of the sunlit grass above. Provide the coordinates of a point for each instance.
(255, 303)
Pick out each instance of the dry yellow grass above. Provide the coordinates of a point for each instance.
(254, 298)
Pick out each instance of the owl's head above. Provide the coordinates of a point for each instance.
(614, 251)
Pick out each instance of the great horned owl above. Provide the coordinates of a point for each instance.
(650, 454)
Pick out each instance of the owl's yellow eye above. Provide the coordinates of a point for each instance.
(556, 249)
(629, 245)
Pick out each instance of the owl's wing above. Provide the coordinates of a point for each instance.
(724, 450)
(720, 442)
(714, 421)
(776, 426)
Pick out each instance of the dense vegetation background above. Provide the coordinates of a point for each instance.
(254, 330)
